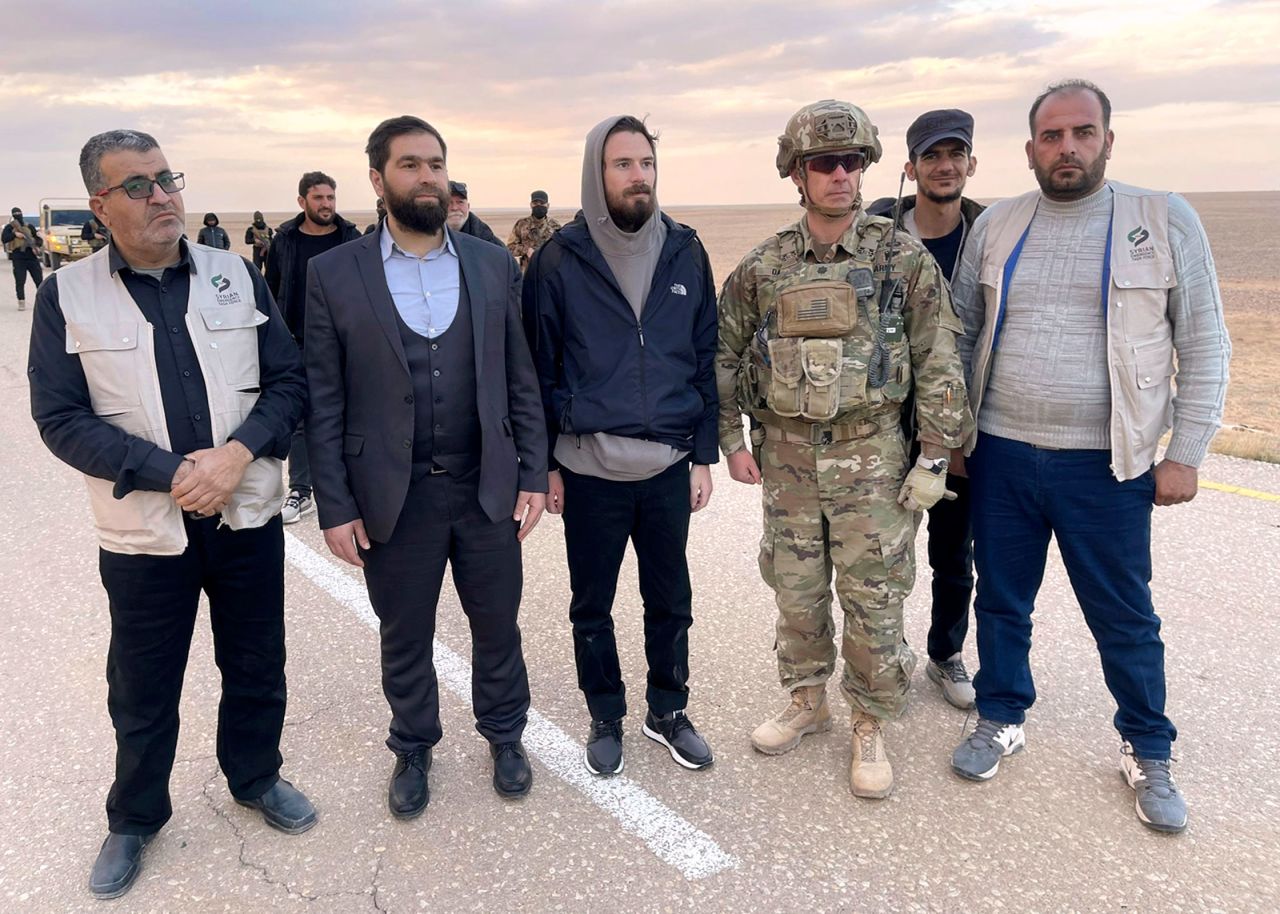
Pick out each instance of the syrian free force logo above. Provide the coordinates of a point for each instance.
(1140, 249)
(223, 292)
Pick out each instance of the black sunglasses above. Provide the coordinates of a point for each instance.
(827, 162)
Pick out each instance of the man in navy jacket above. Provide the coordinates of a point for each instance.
(620, 311)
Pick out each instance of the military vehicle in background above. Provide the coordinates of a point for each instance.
(61, 221)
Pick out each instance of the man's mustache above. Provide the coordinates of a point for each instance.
(637, 189)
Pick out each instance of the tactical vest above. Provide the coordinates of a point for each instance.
(1140, 354)
(116, 346)
(818, 329)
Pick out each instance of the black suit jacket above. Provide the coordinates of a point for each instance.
(360, 420)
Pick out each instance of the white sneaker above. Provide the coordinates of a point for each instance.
(978, 757)
(296, 507)
(1158, 803)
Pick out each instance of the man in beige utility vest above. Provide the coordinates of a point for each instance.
(825, 329)
(1080, 301)
(161, 370)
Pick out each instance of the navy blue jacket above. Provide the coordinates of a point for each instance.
(600, 369)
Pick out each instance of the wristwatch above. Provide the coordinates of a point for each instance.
(936, 465)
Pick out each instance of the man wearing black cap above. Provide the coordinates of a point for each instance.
(461, 219)
(531, 232)
(940, 150)
(22, 244)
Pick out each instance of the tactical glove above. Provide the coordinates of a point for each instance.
(925, 486)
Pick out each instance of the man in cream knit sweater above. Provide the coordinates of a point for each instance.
(1076, 299)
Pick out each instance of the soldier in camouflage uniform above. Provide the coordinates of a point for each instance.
(531, 232)
(821, 351)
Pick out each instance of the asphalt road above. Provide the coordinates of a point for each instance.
(1055, 831)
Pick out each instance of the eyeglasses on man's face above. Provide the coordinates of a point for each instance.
(140, 188)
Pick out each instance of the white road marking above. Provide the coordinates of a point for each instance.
(672, 838)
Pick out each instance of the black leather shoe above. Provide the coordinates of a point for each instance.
(512, 776)
(407, 792)
(284, 807)
(118, 865)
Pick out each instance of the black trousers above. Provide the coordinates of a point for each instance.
(442, 522)
(600, 516)
(951, 558)
(22, 268)
(153, 610)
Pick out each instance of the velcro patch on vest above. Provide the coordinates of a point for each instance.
(817, 309)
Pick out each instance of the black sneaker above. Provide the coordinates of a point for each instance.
(678, 734)
(604, 747)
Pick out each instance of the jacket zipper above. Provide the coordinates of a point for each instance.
(644, 394)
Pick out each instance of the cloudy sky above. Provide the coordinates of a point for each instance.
(244, 97)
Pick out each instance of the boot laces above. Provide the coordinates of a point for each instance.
(867, 729)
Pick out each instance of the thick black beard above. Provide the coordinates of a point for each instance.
(633, 219)
(1089, 180)
(426, 218)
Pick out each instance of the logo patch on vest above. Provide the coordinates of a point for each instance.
(222, 284)
(677, 288)
(1140, 250)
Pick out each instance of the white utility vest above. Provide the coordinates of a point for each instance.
(116, 346)
(1140, 355)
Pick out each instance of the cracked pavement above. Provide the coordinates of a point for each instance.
(1055, 831)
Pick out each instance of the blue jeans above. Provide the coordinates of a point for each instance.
(1023, 494)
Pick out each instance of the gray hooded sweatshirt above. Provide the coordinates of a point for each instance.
(632, 258)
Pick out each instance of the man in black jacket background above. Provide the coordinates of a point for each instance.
(620, 310)
(318, 228)
(941, 160)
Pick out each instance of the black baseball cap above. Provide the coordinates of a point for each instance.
(935, 126)
(458, 189)
(538, 196)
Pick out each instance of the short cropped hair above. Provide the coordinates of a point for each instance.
(314, 179)
(379, 146)
(92, 152)
(1071, 85)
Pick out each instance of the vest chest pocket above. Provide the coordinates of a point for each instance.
(1140, 299)
(112, 366)
(231, 335)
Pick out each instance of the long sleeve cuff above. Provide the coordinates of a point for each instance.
(255, 436)
(146, 467)
(1186, 448)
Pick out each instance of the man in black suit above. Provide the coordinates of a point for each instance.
(428, 445)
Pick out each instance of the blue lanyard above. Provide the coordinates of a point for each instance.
(1012, 264)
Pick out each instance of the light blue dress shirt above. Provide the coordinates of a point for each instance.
(425, 289)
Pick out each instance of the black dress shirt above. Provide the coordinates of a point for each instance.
(61, 406)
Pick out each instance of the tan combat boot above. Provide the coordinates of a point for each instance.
(870, 774)
(807, 713)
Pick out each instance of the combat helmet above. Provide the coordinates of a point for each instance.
(826, 126)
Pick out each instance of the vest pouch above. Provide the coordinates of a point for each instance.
(233, 338)
(822, 361)
(783, 396)
(112, 367)
(1140, 299)
(821, 309)
(258, 497)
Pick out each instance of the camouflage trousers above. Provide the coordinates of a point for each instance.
(834, 508)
